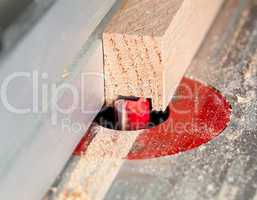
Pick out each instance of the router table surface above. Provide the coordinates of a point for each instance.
(225, 168)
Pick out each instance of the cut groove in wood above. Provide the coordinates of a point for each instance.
(148, 45)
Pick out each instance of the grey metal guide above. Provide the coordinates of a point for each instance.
(33, 150)
(11, 9)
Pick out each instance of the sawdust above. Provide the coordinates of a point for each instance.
(65, 74)
(222, 169)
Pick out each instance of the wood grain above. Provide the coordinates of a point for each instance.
(149, 44)
(91, 175)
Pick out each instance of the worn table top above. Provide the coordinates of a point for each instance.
(226, 167)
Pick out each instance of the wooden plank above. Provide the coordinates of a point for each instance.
(149, 44)
(89, 176)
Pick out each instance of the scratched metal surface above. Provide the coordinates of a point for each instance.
(225, 168)
(17, 17)
(10, 9)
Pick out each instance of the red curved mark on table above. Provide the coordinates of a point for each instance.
(198, 113)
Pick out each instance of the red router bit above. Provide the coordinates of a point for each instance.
(132, 114)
